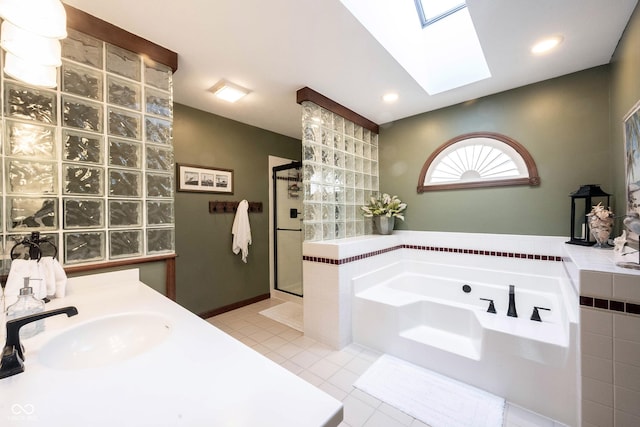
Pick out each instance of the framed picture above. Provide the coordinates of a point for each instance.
(202, 179)
(632, 158)
(632, 164)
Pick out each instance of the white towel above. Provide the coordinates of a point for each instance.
(241, 230)
(21, 268)
(61, 279)
(54, 277)
(46, 269)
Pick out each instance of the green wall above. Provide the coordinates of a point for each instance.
(563, 123)
(625, 92)
(208, 274)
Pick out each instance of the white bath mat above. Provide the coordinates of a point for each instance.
(288, 313)
(430, 397)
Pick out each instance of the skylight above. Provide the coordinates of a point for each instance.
(430, 11)
(444, 55)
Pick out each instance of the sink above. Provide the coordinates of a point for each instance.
(105, 341)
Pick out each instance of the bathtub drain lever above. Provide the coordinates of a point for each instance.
(492, 308)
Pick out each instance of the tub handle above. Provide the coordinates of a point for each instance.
(535, 315)
(492, 308)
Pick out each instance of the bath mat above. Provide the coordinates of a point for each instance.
(288, 313)
(430, 397)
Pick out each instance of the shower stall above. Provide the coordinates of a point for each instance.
(287, 228)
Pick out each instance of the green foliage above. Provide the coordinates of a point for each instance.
(386, 205)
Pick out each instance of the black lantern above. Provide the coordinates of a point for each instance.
(581, 204)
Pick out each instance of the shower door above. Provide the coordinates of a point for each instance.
(287, 228)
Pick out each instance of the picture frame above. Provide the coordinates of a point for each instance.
(204, 179)
(632, 165)
(632, 158)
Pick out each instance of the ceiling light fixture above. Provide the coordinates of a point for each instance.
(390, 97)
(30, 34)
(546, 45)
(228, 91)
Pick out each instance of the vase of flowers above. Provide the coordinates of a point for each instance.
(384, 211)
(600, 224)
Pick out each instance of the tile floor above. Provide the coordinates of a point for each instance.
(330, 370)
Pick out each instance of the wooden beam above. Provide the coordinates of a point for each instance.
(308, 94)
(96, 27)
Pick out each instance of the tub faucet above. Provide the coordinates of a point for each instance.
(511, 311)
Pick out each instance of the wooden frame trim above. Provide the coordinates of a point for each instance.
(96, 27)
(532, 180)
(170, 269)
(308, 94)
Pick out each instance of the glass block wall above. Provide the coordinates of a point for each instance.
(340, 173)
(90, 164)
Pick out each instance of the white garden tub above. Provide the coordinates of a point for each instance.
(435, 315)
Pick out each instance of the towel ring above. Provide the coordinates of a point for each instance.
(28, 243)
(55, 248)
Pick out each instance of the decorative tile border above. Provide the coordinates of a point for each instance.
(349, 259)
(434, 249)
(611, 305)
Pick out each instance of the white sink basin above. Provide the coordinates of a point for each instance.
(105, 341)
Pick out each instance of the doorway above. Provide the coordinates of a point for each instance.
(287, 228)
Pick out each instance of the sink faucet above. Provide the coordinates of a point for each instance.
(511, 311)
(12, 361)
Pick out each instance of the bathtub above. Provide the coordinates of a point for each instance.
(436, 315)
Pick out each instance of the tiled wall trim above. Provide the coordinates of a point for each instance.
(432, 248)
(611, 305)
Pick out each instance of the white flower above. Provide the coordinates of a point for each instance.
(387, 205)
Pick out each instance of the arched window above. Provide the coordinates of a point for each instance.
(479, 159)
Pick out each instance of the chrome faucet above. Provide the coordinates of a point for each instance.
(511, 311)
(12, 361)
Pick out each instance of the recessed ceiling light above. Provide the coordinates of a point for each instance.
(228, 91)
(390, 97)
(546, 45)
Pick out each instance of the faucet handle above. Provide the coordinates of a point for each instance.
(12, 361)
(492, 308)
(536, 315)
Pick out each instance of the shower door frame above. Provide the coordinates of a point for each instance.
(275, 170)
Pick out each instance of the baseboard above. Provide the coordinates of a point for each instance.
(233, 306)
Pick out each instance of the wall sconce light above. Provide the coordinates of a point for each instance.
(581, 204)
(228, 91)
(30, 35)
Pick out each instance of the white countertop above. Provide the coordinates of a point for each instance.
(603, 260)
(198, 376)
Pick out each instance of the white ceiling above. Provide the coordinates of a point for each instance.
(276, 47)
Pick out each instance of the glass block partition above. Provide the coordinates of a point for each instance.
(340, 173)
(90, 163)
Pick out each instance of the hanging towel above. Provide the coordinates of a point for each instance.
(241, 230)
(46, 270)
(54, 276)
(61, 278)
(21, 268)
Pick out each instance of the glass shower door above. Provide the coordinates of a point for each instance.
(287, 211)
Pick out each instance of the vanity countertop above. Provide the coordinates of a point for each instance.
(197, 376)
